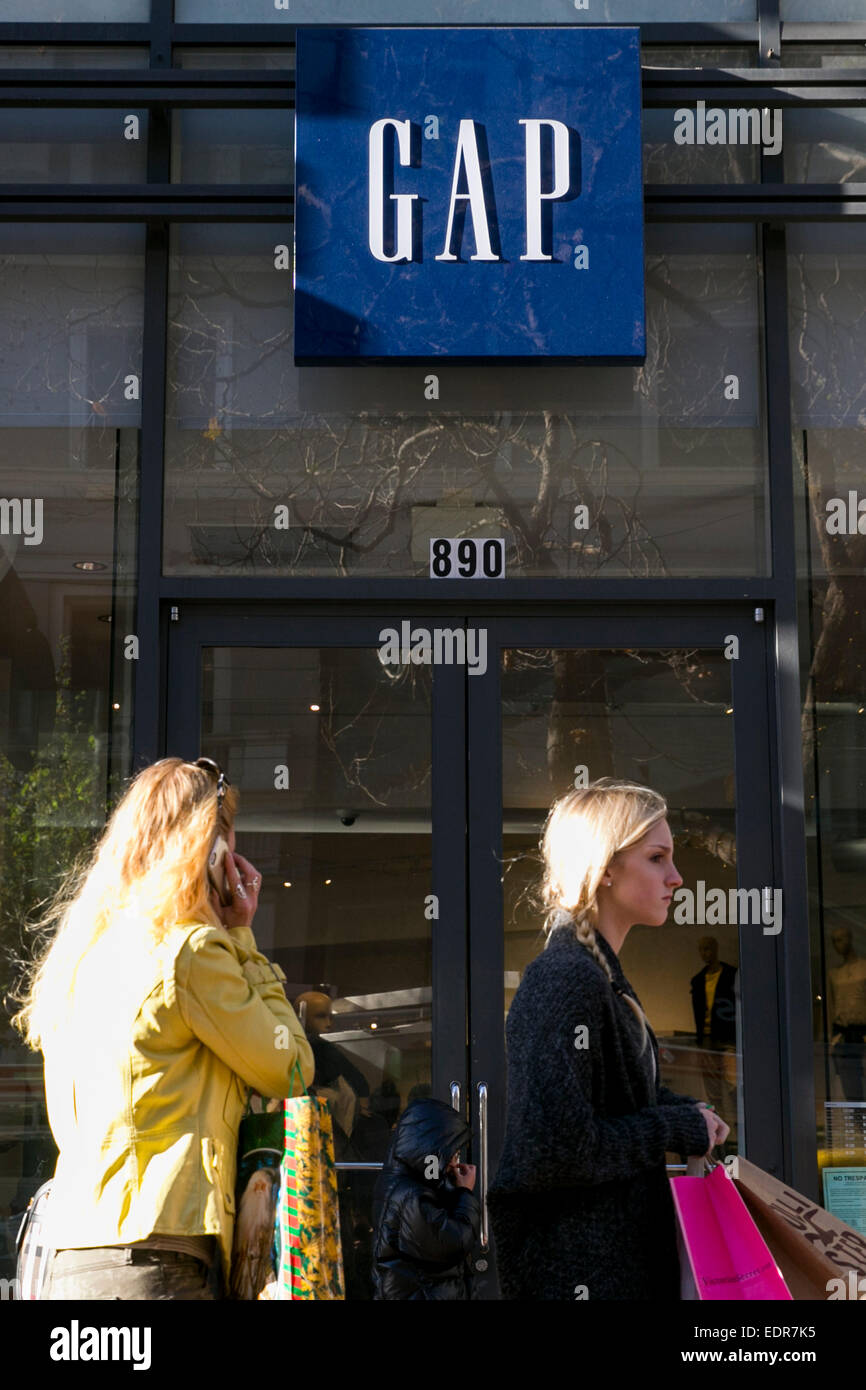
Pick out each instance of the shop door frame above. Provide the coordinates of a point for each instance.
(468, 946)
(214, 625)
(663, 626)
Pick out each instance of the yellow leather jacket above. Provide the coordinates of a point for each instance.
(146, 1077)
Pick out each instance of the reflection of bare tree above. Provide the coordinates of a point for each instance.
(350, 485)
(356, 483)
(836, 666)
(352, 479)
(359, 743)
(579, 680)
(579, 728)
(828, 314)
(70, 336)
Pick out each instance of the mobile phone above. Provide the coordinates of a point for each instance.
(216, 870)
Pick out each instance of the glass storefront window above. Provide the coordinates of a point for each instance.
(74, 146)
(825, 145)
(806, 55)
(224, 59)
(233, 146)
(667, 457)
(821, 11)
(666, 161)
(76, 11)
(70, 56)
(827, 291)
(238, 147)
(71, 309)
(687, 56)
(460, 12)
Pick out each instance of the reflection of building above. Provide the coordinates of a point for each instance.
(149, 397)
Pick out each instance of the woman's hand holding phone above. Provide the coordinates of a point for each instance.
(243, 882)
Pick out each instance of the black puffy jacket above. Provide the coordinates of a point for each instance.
(425, 1226)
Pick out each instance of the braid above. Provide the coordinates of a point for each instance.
(585, 933)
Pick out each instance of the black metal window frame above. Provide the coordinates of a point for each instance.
(769, 205)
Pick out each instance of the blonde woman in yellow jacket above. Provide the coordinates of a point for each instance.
(155, 1010)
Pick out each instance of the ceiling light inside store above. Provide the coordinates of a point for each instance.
(315, 708)
(88, 565)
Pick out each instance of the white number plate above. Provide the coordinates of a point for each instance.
(467, 559)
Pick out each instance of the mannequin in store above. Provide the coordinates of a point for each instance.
(847, 1012)
(715, 1010)
(342, 1083)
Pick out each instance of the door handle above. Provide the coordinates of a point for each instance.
(455, 1095)
(482, 1160)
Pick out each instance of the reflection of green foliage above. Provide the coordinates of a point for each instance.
(51, 814)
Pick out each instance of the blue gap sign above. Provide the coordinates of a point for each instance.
(469, 194)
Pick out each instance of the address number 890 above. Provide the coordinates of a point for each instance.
(467, 559)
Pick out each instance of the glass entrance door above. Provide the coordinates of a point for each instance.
(677, 703)
(383, 790)
(350, 772)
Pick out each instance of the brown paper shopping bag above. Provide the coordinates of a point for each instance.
(811, 1247)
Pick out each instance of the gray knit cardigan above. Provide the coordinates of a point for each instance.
(580, 1206)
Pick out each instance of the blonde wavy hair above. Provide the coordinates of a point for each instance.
(585, 829)
(149, 866)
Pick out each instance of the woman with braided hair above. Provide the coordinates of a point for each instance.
(581, 1206)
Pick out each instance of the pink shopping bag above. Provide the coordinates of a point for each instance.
(722, 1253)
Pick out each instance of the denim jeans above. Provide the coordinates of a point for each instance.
(123, 1272)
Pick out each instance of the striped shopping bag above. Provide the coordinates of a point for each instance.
(310, 1258)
